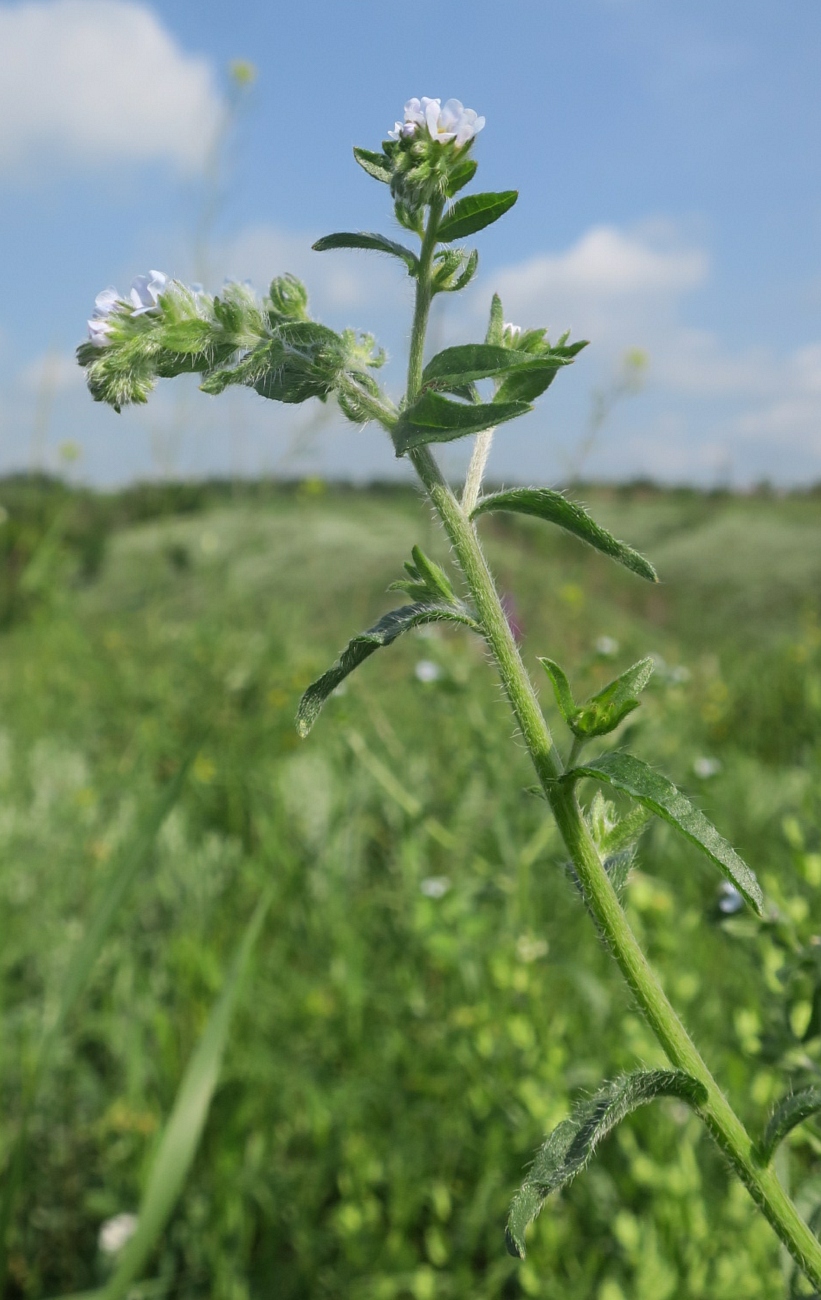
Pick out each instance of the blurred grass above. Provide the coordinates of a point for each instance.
(396, 1056)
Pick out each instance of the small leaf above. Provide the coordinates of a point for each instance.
(496, 323)
(434, 418)
(654, 791)
(366, 240)
(468, 362)
(556, 509)
(561, 688)
(461, 175)
(377, 165)
(528, 382)
(183, 1130)
(789, 1113)
(474, 213)
(604, 711)
(571, 1145)
(430, 572)
(383, 633)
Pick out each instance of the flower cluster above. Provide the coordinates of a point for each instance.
(454, 122)
(144, 297)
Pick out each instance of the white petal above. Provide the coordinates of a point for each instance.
(432, 116)
(106, 301)
(478, 124)
(139, 293)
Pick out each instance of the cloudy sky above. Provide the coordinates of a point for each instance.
(667, 158)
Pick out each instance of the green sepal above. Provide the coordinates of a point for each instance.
(568, 707)
(373, 242)
(635, 778)
(544, 503)
(383, 633)
(570, 1147)
(433, 418)
(496, 323)
(460, 176)
(603, 712)
(788, 1114)
(453, 270)
(288, 299)
(474, 213)
(377, 165)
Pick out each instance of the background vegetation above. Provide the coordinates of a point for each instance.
(427, 996)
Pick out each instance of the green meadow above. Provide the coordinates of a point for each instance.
(427, 995)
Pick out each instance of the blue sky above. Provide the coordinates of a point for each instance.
(669, 172)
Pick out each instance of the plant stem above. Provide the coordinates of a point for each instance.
(716, 1112)
(476, 469)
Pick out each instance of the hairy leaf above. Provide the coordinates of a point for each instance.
(377, 165)
(496, 322)
(468, 362)
(460, 175)
(561, 689)
(604, 711)
(366, 240)
(433, 418)
(383, 633)
(528, 382)
(654, 791)
(474, 213)
(788, 1114)
(570, 1147)
(556, 509)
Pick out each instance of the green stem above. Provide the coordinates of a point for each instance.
(424, 296)
(718, 1115)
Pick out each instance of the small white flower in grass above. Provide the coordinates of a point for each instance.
(116, 1232)
(607, 646)
(729, 899)
(704, 768)
(427, 671)
(529, 949)
(434, 886)
(146, 290)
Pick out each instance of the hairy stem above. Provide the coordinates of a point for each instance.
(716, 1112)
(476, 469)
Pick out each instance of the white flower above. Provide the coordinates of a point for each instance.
(99, 327)
(434, 886)
(114, 1233)
(729, 899)
(146, 290)
(512, 330)
(453, 122)
(427, 671)
(607, 646)
(706, 767)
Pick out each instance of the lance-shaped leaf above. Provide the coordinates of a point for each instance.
(374, 243)
(425, 580)
(496, 322)
(474, 213)
(433, 418)
(544, 503)
(570, 1147)
(377, 165)
(468, 362)
(460, 175)
(526, 383)
(603, 712)
(788, 1114)
(654, 791)
(383, 633)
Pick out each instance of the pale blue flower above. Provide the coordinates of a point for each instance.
(453, 122)
(146, 290)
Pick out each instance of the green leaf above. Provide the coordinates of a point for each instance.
(527, 382)
(461, 175)
(654, 791)
(383, 633)
(789, 1113)
(603, 712)
(556, 509)
(496, 323)
(434, 418)
(571, 1145)
(468, 362)
(561, 689)
(76, 977)
(377, 165)
(474, 213)
(182, 1133)
(376, 243)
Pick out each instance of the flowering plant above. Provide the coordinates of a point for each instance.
(272, 345)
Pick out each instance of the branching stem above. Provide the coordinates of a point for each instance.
(716, 1111)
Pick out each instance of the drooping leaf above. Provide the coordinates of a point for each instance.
(788, 1114)
(377, 165)
(571, 1145)
(468, 362)
(383, 633)
(474, 213)
(75, 979)
(433, 418)
(604, 711)
(654, 791)
(183, 1130)
(366, 240)
(544, 503)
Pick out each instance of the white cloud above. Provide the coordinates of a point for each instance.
(92, 81)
